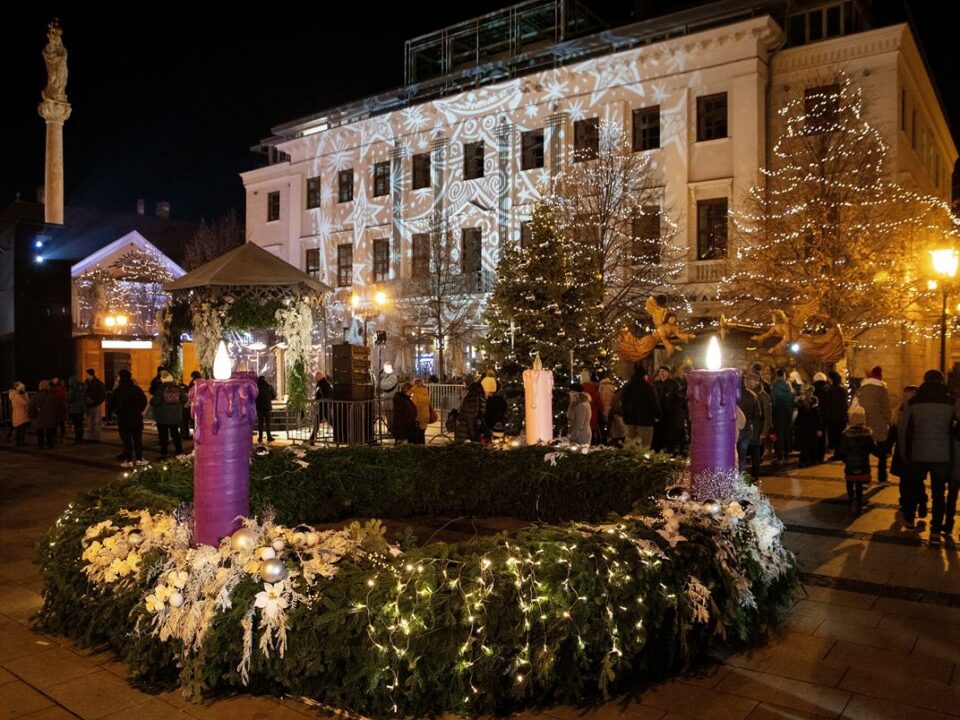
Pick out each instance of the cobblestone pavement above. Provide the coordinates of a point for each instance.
(877, 635)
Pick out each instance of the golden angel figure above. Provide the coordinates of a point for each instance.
(826, 348)
(665, 331)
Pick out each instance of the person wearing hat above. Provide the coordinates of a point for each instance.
(495, 415)
(856, 445)
(873, 397)
(167, 404)
(129, 402)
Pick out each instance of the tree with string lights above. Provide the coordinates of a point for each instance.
(609, 201)
(544, 301)
(828, 229)
(213, 239)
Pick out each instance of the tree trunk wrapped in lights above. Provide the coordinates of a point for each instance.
(829, 230)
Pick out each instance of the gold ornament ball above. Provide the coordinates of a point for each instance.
(243, 539)
(273, 570)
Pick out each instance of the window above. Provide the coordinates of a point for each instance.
(470, 259)
(526, 234)
(381, 178)
(273, 206)
(646, 128)
(473, 160)
(421, 255)
(344, 265)
(421, 171)
(712, 117)
(712, 229)
(531, 146)
(646, 235)
(313, 262)
(586, 139)
(821, 108)
(381, 260)
(345, 185)
(313, 193)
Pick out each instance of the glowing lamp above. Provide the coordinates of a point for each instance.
(945, 262)
(931, 284)
(109, 321)
(354, 300)
(380, 298)
(222, 367)
(387, 367)
(713, 354)
(794, 347)
(122, 320)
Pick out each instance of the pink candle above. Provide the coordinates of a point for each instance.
(222, 411)
(712, 402)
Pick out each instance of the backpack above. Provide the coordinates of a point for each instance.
(170, 395)
(452, 417)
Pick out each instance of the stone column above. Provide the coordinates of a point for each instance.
(55, 113)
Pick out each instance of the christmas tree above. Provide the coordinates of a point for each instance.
(827, 228)
(545, 301)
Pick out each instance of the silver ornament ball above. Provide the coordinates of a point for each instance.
(176, 600)
(273, 570)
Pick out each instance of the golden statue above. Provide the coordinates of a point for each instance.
(665, 331)
(825, 348)
(55, 57)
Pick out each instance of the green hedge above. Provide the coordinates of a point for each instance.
(632, 624)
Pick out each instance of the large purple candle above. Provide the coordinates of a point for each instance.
(222, 411)
(712, 402)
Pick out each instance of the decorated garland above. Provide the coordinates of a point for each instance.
(554, 613)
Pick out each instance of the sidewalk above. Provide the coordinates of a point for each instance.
(874, 653)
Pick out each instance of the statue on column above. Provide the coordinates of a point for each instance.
(55, 57)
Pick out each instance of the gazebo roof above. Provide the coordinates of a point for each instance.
(248, 265)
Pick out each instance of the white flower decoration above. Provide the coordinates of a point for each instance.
(271, 600)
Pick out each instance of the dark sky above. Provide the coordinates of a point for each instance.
(166, 101)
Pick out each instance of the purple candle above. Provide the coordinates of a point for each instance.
(222, 411)
(712, 396)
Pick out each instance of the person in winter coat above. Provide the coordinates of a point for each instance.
(898, 465)
(470, 418)
(607, 392)
(641, 408)
(808, 428)
(856, 445)
(578, 416)
(750, 439)
(129, 402)
(873, 397)
(59, 393)
(43, 413)
(20, 409)
(592, 389)
(321, 394)
(782, 402)
(766, 404)
(420, 394)
(835, 412)
(668, 396)
(265, 397)
(405, 426)
(75, 407)
(167, 404)
(95, 395)
(925, 434)
(495, 416)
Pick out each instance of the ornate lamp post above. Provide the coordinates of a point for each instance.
(945, 264)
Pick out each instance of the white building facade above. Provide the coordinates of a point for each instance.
(352, 195)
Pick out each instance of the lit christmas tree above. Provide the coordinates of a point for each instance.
(545, 301)
(829, 230)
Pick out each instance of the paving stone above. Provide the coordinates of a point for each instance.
(18, 699)
(152, 709)
(801, 624)
(5, 677)
(54, 712)
(826, 611)
(787, 692)
(244, 707)
(767, 711)
(787, 664)
(609, 711)
(833, 596)
(702, 703)
(907, 666)
(96, 695)
(889, 638)
(921, 611)
(899, 688)
(18, 602)
(43, 670)
(862, 707)
(16, 641)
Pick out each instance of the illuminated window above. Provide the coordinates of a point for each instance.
(712, 229)
(381, 178)
(345, 185)
(586, 139)
(473, 160)
(273, 206)
(421, 171)
(344, 265)
(646, 128)
(381, 260)
(531, 147)
(313, 192)
(421, 255)
(711, 117)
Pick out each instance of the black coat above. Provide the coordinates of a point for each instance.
(856, 444)
(473, 410)
(265, 395)
(129, 402)
(640, 404)
(496, 411)
(808, 418)
(404, 416)
(323, 391)
(833, 407)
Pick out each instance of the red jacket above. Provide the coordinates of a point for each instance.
(593, 391)
(59, 393)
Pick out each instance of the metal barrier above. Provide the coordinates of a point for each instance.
(445, 397)
(338, 422)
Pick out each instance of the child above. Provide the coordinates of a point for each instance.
(808, 427)
(856, 444)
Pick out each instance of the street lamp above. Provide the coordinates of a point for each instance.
(945, 264)
(379, 300)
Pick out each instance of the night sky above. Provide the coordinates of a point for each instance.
(167, 102)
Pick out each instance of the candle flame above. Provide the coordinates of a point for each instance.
(222, 367)
(713, 354)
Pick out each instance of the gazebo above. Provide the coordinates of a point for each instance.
(243, 290)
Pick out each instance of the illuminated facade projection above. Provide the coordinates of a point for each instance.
(493, 109)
